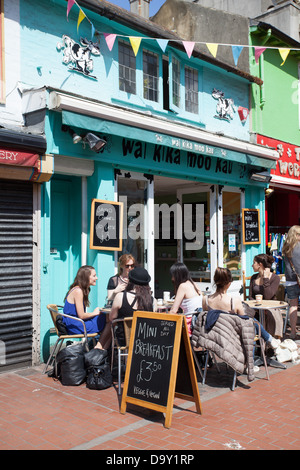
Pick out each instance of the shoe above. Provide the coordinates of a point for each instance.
(274, 343)
(255, 369)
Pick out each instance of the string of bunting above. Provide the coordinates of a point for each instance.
(188, 45)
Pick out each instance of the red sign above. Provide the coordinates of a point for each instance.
(14, 157)
(288, 166)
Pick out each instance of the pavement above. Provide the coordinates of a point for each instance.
(37, 412)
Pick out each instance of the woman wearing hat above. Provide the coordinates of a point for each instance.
(137, 296)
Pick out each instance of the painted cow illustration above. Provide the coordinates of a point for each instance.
(79, 54)
(225, 106)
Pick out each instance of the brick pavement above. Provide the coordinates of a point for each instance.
(39, 413)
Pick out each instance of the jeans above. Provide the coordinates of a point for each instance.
(264, 334)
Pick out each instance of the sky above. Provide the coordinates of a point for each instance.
(153, 8)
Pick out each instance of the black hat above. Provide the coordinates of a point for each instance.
(139, 276)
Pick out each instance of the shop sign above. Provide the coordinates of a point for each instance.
(14, 157)
(288, 165)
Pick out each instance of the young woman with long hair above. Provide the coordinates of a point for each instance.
(118, 283)
(76, 303)
(291, 254)
(187, 295)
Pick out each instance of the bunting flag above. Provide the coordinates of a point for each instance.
(81, 17)
(110, 40)
(258, 52)
(284, 52)
(213, 48)
(163, 44)
(236, 52)
(189, 47)
(70, 4)
(135, 43)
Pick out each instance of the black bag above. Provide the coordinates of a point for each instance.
(70, 364)
(60, 325)
(97, 364)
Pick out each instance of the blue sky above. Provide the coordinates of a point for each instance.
(154, 5)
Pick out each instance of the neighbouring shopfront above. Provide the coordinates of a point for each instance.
(282, 197)
(21, 166)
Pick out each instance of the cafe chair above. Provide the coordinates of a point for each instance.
(122, 351)
(56, 314)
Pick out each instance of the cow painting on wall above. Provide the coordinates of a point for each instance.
(225, 106)
(79, 55)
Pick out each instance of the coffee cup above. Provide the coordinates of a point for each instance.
(159, 301)
(166, 296)
(258, 298)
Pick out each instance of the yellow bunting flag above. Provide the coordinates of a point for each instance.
(81, 16)
(213, 48)
(135, 44)
(284, 53)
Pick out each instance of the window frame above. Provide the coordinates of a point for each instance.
(194, 70)
(131, 55)
(148, 52)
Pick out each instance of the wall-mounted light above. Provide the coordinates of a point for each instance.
(75, 137)
(96, 143)
(261, 176)
(269, 191)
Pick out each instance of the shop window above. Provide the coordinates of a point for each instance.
(191, 90)
(2, 49)
(232, 233)
(150, 75)
(127, 68)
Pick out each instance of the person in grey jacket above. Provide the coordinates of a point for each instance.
(291, 254)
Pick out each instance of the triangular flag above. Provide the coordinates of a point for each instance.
(135, 44)
(213, 48)
(258, 52)
(189, 46)
(284, 53)
(110, 40)
(81, 16)
(236, 52)
(163, 43)
(70, 4)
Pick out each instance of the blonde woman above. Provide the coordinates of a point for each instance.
(291, 254)
(118, 283)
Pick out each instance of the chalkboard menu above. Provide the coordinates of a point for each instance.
(160, 364)
(106, 225)
(251, 226)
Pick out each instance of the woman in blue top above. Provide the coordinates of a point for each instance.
(76, 301)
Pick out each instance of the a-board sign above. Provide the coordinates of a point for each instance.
(106, 225)
(160, 364)
(250, 226)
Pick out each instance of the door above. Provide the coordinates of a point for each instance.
(136, 193)
(65, 235)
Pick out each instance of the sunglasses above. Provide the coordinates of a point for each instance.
(129, 266)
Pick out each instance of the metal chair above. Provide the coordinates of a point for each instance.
(246, 288)
(121, 349)
(54, 312)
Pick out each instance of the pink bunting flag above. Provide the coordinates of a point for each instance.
(258, 52)
(70, 4)
(189, 47)
(110, 40)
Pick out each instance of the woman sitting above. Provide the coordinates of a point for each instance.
(187, 295)
(266, 283)
(137, 296)
(118, 283)
(76, 302)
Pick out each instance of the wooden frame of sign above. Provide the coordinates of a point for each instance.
(160, 364)
(250, 226)
(106, 225)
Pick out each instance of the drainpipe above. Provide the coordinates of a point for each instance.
(262, 70)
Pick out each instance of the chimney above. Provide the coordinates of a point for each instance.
(140, 7)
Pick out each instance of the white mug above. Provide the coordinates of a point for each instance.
(166, 296)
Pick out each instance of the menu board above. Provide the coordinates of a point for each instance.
(251, 226)
(160, 364)
(106, 225)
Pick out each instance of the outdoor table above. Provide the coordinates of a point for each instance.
(261, 307)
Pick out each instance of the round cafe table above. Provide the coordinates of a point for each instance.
(261, 307)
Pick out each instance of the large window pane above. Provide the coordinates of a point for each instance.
(232, 233)
(191, 90)
(175, 82)
(127, 68)
(150, 75)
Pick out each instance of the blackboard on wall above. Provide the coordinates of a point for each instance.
(251, 226)
(106, 225)
(160, 364)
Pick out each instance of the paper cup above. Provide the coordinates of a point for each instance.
(166, 296)
(258, 298)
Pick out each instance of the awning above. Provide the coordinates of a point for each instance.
(106, 119)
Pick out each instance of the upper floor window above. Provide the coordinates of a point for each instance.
(150, 75)
(175, 82)
(127, 68)
(191, 90)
